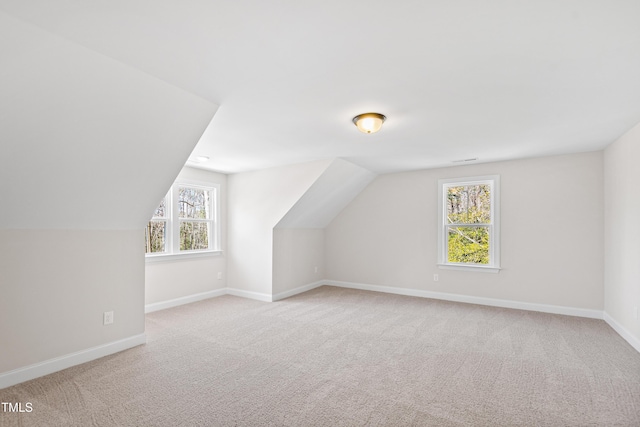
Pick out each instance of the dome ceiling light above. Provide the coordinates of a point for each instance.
(369, 122)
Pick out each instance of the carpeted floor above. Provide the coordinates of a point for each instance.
(341, 357)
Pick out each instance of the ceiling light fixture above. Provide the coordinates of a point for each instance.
(200, 159)
(369, 122)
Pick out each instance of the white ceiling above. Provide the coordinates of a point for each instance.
(457, 79)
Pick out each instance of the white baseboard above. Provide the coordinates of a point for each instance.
(251, 295)
(150, 308)
(298, 290)
(493, 302)
(555, 309)
(623, 332)
(20, 375)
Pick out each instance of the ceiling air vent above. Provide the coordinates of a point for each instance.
(465, 160)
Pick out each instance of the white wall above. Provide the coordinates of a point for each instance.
(297, 254)
(622, 232)
(298, 238)
(88, 147)
(256, 202)
(552, 233)
(168, 280)
(56, 284)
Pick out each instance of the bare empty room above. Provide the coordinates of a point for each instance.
(319, 213)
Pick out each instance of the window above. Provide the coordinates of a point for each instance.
(185, 222)
(469, 224)
(157, 229)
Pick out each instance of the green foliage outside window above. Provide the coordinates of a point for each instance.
(468, 220)
(469, 245)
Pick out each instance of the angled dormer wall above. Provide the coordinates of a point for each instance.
(256, 202)
(298, 238)
(87, 148)
(276, 220)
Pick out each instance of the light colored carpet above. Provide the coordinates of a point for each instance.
(340, 357)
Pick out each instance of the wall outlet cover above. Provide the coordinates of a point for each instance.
(107, 318)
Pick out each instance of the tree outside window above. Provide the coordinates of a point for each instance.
(185, 221)
(468, 216)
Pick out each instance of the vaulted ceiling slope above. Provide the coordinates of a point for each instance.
(491, 80)
(86, 142)
(338, 185)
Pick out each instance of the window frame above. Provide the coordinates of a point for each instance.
(173, 221)
(494, 227)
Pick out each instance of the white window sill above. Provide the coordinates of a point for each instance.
(464, 267)
(181, 256)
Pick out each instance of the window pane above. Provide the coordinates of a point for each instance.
(469, 245)
(194, 203)
(161, 209)
(469, 204)
(194, 236)
(154, 236)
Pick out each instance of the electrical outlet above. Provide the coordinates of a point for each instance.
(316, 269)
(107, 317)
(219, 275)
(435, 278)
